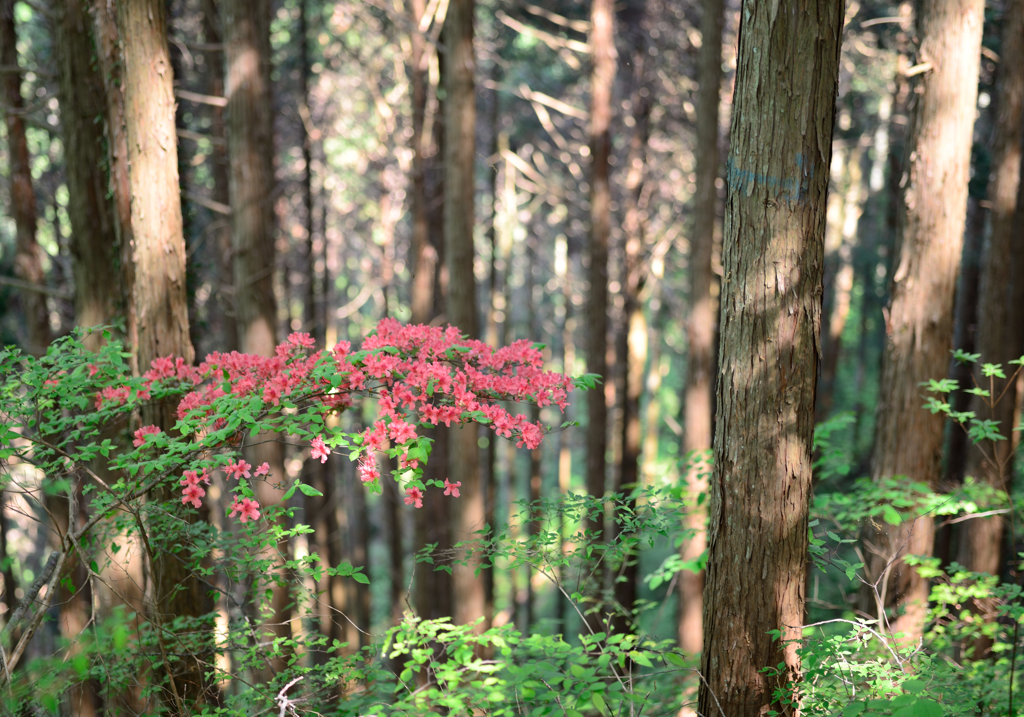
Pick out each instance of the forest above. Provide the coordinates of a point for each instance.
(587, 358)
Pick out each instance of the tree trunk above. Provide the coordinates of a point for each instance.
(781, 143)
(155, 272)
(459, 156)
(908, 440)
(246, 25)
(424, 258)
(604, 57)
(92, 229)
(981, 540)
(701, 326)
(28, 255)
(225, 295)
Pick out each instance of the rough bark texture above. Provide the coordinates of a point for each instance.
(155, 276)
(92, 228)
(604, 58)
(28, 255)
(459, 156)
(908, 440)
(700, 327)
(781, 145)
(246, 25)
(981, 539)
(424, 258)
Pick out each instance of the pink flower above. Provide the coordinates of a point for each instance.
(414, 496)
(248, 509)
(192, 494)
(368, 471)
(263, 470)
(319, 450)
(238, 470)
(140, 435)
(303, 340)
(401, 432)
(452, 489)
(93, 370)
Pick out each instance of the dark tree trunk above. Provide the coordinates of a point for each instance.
(28, 255)
(93, 241)
(908, 440)
(781, 144)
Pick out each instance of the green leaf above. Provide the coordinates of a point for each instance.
(360, 578)
(309, 490)
(854, 709)
(913, 686)
(927, 708)
(890, 515)
(675, 658)
(640, 658)
(599, 702)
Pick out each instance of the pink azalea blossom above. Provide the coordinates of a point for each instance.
(140, 435)
(264, 469)
(414, 496)
(193, 494)
(319, 450)
(238, 470)
(368, 471)
(452, 489)
(247, 509)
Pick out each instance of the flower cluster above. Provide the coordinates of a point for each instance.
(418, 375)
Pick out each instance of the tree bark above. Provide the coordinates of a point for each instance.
(908, 440)
(781, 144)
(155, 272)
(604, 58)
(981, 540)
(92, 229)
(701, 325)
(28, 255)
(459, 156)
(246, 25)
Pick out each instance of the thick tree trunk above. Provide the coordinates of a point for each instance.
(246, 25)
(459, 161)
(781, 144)
(155, 269)
(28, 255)
(424, 258)
(908, 440)
(701, 325)
(92, 228)
(981, 540)
(604, 57)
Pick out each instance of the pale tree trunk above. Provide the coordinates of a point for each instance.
(155, 281)
(602, 81)
(700, 326)
(28, 255)
(773, 251)
(459, 156)
(908, 439)
(246, 27)
(981, 540)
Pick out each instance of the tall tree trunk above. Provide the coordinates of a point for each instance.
(93, 242)
(701, 325)
(28, 255)
(781, 142)
(981, 540)
(424, 258)
(246, 25)
(155, 273)
(225, 308)
(459, 161)
(908, 440)
(604, 57)
(92, 229)
(635, 323)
